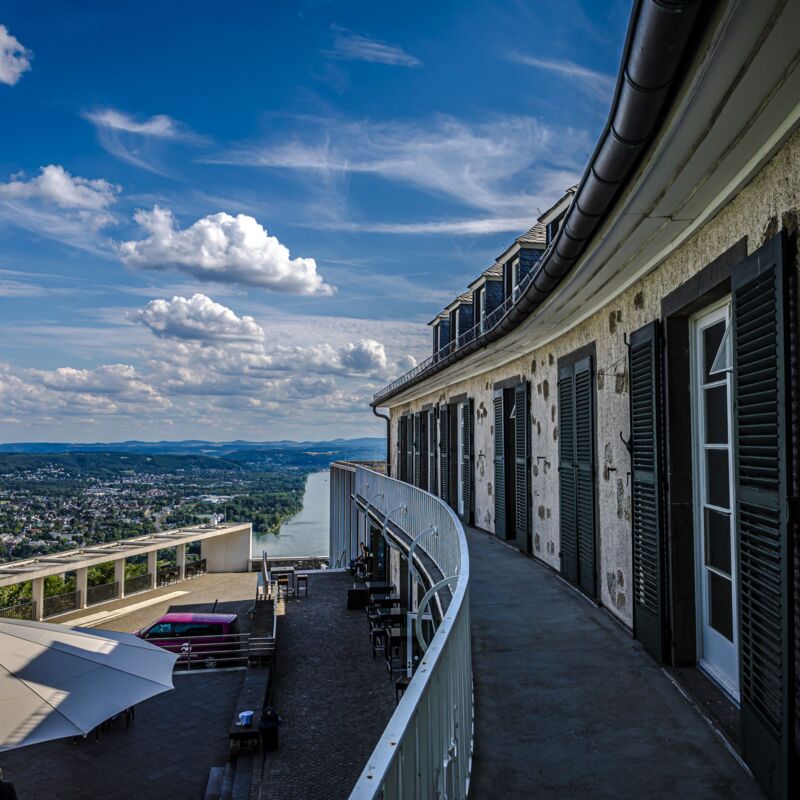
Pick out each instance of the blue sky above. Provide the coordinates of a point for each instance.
(234, 221)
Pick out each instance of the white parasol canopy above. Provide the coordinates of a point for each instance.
(57, 681)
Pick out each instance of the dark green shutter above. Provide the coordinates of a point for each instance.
(410, 449)
(402, 442)
(584, 462)
(432, 487)
(522, 469)
(444, 456)
(499, 469)
(423, 449)
(466, 461)
(761, 469)
(417, 449)
(567, 522)
(648, 602)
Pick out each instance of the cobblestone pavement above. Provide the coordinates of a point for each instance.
(235, 591)
(166, 753)
(334, 699)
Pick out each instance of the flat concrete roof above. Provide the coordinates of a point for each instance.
(13, 572)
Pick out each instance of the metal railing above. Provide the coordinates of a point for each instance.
(426, 749)
(102, 593)
(167, 576)
(195, 568)
(476, 332)
(138, 583)
(61, 603)
(217, 650)
(25, 611)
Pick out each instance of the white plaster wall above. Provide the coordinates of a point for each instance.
(770, 202)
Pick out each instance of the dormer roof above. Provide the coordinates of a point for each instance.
(495, 272)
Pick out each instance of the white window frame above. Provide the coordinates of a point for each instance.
(702, 320)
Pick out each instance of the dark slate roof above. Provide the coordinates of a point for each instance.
(536, 235)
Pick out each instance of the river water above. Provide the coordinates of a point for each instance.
(306, 533)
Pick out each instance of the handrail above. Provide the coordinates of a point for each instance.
(426, 749)
(480, 329)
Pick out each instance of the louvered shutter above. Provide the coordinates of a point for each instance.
(417, 449)
(568, 526)
(423, 449)
(644, 369)
(444, 456)
(584, 477)
(522, 470)
(499, 469)
(410, 449)
(761, 468)
(402, 442)
(432, 486)
(466, 458)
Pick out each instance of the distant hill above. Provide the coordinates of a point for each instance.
(112, 458)
(375, 446)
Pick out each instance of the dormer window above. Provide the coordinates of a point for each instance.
(515, 278)
(481, 308)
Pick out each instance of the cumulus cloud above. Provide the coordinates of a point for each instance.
(349, 46)
(60, 206)
(224, 248)
(55, 185)
(14, 57)
(198, 318)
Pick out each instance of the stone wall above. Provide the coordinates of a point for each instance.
(769, 203)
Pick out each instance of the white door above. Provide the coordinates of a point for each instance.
(460, 458)
(716, 598)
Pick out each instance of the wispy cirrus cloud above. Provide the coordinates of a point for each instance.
(464, 227)
(596, 84)
(507, 167)
(15, 58)
(138, 140)
(349, 46)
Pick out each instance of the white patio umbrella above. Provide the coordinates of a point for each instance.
(57, 681)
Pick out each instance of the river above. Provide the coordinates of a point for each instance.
(306, 533)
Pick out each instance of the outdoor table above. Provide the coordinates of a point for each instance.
(381, 591)
(378, 585)
(385, 602)
(288, 571)
(392, 616)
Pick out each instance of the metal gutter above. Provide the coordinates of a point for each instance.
(655, 44)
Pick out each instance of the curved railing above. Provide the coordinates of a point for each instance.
(480, 329)
(426, 749)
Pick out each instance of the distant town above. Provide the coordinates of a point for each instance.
(53, 501)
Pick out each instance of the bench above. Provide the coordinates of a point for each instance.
(251, 698)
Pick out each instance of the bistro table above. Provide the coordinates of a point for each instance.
(385, 602)
(288, 571)
(393, 617)
(375, 586)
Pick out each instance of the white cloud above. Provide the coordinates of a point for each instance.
(349, 46)
(160, 125)
(55, 185)
(220, 247)
(60, 206)
(198, 318)
(465, 227)
(14, 58)
(491, 165)
(596, 84)
(135, 140)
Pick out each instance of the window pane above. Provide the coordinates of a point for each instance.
(712, 339)
(717, 484)
(716, 415)
(721, 599)
(718, 540)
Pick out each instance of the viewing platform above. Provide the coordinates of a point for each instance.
(225, 547)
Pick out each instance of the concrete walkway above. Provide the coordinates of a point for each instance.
(569, 706)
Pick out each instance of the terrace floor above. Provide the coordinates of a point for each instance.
(333, 698)
(567, 703)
